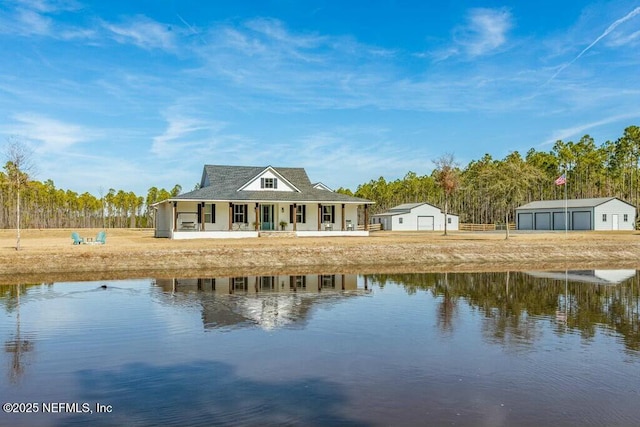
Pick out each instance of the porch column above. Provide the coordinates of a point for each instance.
(230, 216)
(319, 217)
(175, 216)
(202, 216)
(257, 216)
(366, 217)
(343, 221)
(295, 217)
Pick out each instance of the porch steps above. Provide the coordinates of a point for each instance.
(277, 234)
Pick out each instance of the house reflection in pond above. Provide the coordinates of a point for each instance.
(257, 284)
(596, 277)
(269, 302)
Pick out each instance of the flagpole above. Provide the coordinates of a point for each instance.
(566, 217)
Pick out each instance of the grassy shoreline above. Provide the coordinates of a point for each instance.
(48, 255)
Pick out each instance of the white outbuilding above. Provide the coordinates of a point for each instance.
(603, 213)
(415, 217)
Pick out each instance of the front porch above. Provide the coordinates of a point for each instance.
(185, 235)
(211, 220)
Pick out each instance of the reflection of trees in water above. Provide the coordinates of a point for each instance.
(448, 304)
(17, 346)
(510, 303)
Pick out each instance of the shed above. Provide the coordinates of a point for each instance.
(603, 213)
(415, 217)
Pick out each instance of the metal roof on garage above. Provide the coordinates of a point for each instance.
(570, 203)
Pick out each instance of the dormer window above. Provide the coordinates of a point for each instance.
(269, 183)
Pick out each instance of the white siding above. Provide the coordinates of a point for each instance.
(409, 221)
(221, 218)
(164, 220)
(256, 186)
(614, 207)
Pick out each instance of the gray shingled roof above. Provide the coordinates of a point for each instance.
(571, 203)
(221, 183)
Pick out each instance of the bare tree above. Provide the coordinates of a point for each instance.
(447, 176)
(18, 167)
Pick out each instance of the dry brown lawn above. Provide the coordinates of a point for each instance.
(48, 255)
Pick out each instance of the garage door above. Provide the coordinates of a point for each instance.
(525, 221)
(425, 223)
(543, 221)
(581, 220)
(558, 221)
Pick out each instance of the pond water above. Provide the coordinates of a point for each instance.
(464, 349)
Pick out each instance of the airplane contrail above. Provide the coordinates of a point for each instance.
(611, 27)
(189, 25)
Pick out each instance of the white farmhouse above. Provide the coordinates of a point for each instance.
(415, 217)
(250, 201)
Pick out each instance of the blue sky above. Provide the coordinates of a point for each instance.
(135, 94)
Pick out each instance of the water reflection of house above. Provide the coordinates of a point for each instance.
(257, 284)
(597, 277)
(266, 301)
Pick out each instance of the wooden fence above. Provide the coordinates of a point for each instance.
(461, 227)
(485, 227)
(372, 227)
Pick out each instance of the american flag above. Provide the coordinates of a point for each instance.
(561, 180)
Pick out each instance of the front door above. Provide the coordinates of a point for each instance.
(266, 217)
(615, 225)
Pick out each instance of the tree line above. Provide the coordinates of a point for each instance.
(485, 191)
(42, 205)
(488, 190)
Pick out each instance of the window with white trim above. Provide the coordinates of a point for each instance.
(301, 214)
(604, 217)
(328, 281)
(298, 282)
(625, 218)
(240, 283)
(328, 212)
(240, 213)
(209, 213)
(269, 183)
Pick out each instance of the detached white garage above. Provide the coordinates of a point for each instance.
(603, 213)
(415, 217)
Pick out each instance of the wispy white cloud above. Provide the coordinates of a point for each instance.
(484, 32)
(35, 18)
(578, 130)
(143, 32)
(271, 67)
(49, 6)
(358, 152)
(275, 30)
(183, 134)
(625, 39)
(606, 32)
(49, 135)
(33, 22)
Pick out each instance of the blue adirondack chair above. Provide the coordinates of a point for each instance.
(101, 238)
(77, 240)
